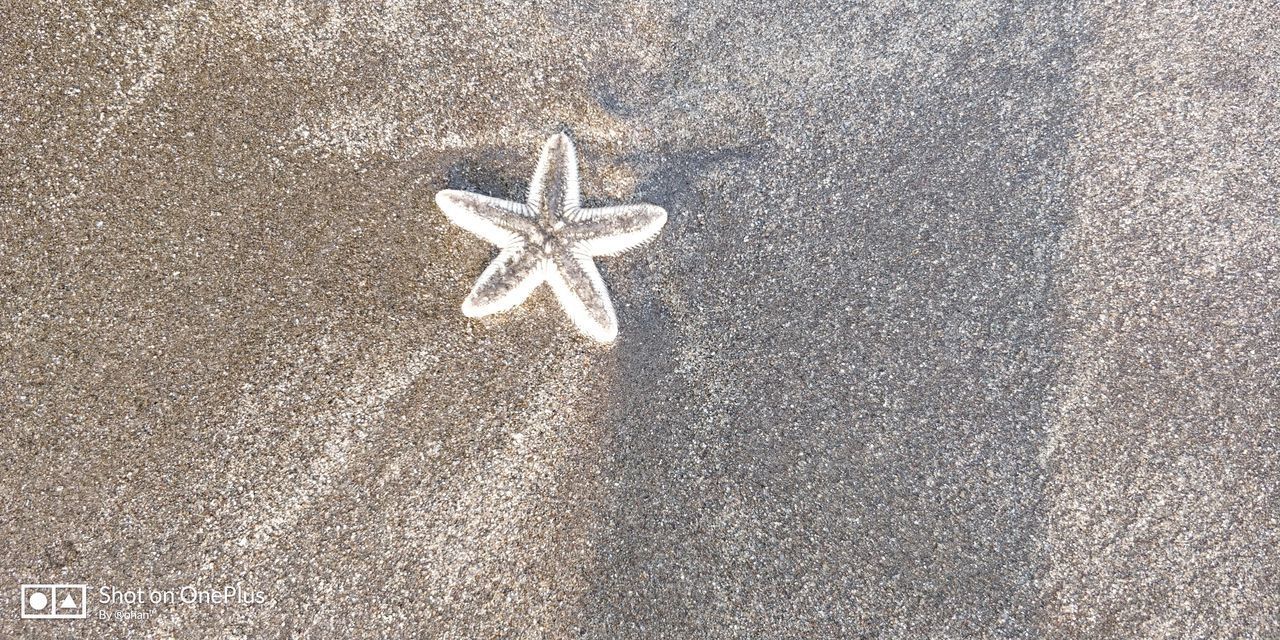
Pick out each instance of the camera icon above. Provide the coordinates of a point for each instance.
(54, 601)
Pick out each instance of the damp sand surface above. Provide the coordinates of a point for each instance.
(963, 323)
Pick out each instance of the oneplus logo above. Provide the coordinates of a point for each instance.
(54, 601)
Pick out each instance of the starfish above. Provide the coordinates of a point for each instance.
(550, 238)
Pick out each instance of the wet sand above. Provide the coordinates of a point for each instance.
(963, 323)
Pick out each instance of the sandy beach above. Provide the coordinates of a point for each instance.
(965, 322)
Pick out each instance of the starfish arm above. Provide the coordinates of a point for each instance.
(580, 289)
(500, 222)
(506, 282)
(609, 231)
(553, 191)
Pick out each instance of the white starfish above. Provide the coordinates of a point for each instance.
(551, 239)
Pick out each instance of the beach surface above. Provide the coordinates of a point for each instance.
(965, 322)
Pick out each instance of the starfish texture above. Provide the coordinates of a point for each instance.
(550, 238)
